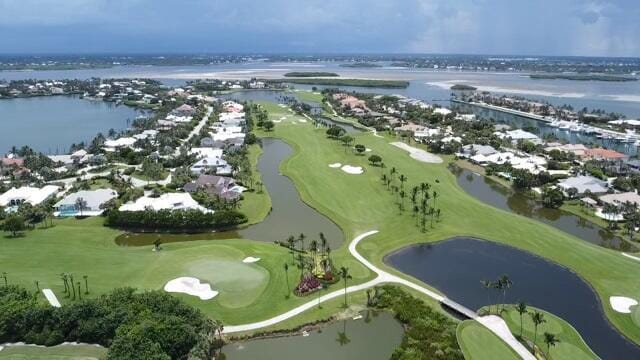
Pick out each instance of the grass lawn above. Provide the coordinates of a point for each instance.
(61, 352)
(479, 343)
(306, 95)
(571, 345)
(358, 203)
(256, 205)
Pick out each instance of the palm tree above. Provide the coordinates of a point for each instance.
(291, 241)
(81, 204)
(301, 238)
(86, 284)
(63, 276)
(79, 292)
(521, 307)
(323, 243)
(488, 285)
(344, 272)
(72, 285)
(537, 318)
(313, 248)
(435, 196)
(286, 272)
(402, 179)
(392, 173)
(4, 276)
(402, 195)
(37, 285)
(506, 284)
(550, 340)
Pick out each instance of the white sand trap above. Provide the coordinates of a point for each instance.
(622, 304)
(368, 150)
(335, 165)
(418, 154)
(283, 118)
(51, 297)
(190, 286)
(302, 120)
(353, 170)
(250, 259)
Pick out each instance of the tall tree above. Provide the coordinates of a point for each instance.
(286, 273)
(550, 340)
(538, 319)
(344, 273)
(521, 307)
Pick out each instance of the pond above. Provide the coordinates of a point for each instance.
(457, 266)
(51, 124)
(495, 194)
(289, 214)
(372, 338)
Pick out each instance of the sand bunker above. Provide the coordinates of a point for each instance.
(418, 154)
(302, 120)
(190, 286)
(250, 259)
(354, 170)
(335, 165)
(622, 304)
(51, 297)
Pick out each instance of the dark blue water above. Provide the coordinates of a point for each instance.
(456, 267)
(51, 124)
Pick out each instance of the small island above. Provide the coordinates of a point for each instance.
(463, 87)
(306, 74)
(582, 77)
(360, 64)
(393, 84)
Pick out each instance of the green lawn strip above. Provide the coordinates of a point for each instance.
(359, 203)
(256, 205)
(60, 352)
(571, 345)
(479, 343)
(305, 95)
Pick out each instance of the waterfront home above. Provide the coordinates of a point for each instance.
(604, 154)
(169, 201)
(11, 164)
(349, 102)
(619, 199)
(84, 203)
(184, 110)
(470, 150)
(232, 106)
(442, 111)
(112, 145)
(224, 136)
(576, 149)
(178, 118)
(147, 134)
(229, 116)
(583, 184)
(27, 194)
(519, 134)
(223, 187)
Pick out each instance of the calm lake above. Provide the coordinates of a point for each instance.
(457, 266)
(372, 338)
(51, 124)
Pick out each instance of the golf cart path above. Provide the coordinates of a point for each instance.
(494, 323)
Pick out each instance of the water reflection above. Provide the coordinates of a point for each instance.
(457, 266)
(499, 196)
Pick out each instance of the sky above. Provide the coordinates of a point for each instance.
(510, 27)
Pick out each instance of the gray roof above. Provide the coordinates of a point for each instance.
(93, 198)
(478, 149)
(584, 183)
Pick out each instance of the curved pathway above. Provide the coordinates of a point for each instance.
(494, 323)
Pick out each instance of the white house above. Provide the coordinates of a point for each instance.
(170, 201)
(91, 201)
(27, 194)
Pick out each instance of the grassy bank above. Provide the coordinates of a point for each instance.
(479, 343)
(393, 84)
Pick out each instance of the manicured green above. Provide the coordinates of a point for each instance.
(571, 345)
(61, 352)
(479, 343)
(305, 95)
(256, 204)
(358, 203)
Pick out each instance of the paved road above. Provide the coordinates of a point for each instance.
(494, 323)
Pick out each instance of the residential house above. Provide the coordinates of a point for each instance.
(583, 184)
(169, 201)
(223, 187)
(84, 203)
(27, 194)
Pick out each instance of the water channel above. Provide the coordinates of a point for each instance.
(495, 194)
(374, 337)
(457, 266)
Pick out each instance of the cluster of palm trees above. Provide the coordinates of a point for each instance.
(71, 287)
(423, 200)
(538, 319)
(501, 285)
(318, 263)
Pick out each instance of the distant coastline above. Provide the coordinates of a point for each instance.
(582, 77)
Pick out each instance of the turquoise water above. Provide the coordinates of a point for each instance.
(51, 124)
